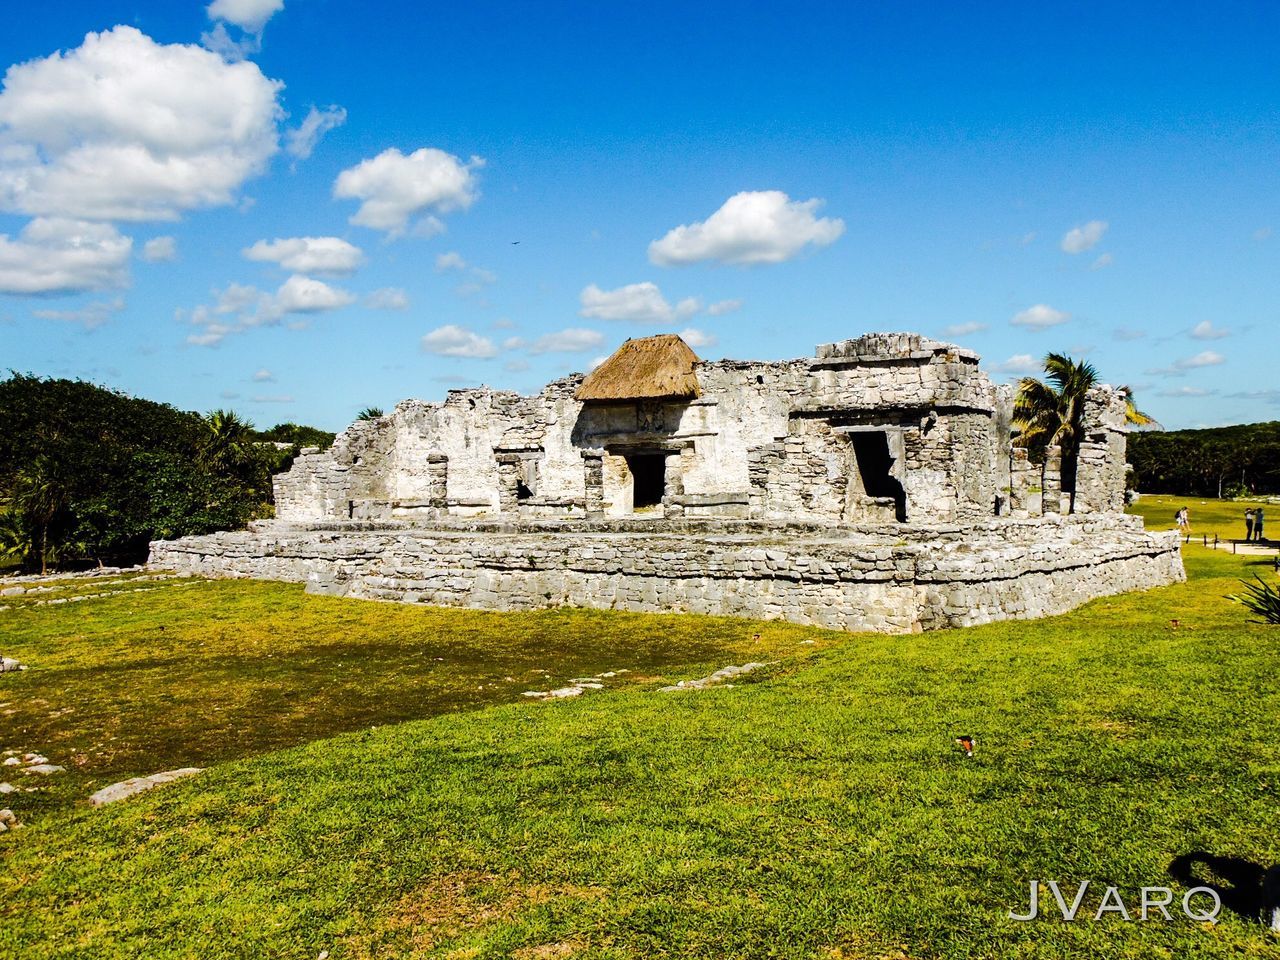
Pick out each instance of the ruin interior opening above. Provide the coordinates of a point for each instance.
(649, 479)
(875, 467)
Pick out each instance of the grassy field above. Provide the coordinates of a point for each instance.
(819, 811)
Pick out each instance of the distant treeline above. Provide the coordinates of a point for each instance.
(1217, 462)
(90, 474)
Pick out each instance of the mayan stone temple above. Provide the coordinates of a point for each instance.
(875, 486)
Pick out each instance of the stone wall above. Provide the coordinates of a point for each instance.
(851, 579)
(771, 439)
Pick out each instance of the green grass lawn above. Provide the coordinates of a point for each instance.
(819, 811)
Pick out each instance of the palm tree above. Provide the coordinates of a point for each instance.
(228, 438)
(370, 413)
(1131, 412)
(1049, 414)
(39, 497)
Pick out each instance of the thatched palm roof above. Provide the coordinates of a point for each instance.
(651, 368)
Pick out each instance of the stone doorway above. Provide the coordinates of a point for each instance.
(875, 462)
(649, 479)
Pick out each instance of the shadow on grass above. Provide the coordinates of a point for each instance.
(1247, 889)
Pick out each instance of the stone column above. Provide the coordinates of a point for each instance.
(438, 481)
(1100, 467)
(593, 473)
(1051, 484)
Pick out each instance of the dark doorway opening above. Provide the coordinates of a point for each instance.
(649, 479)
(875, 467)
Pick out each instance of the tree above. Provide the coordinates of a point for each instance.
(370, 413)
(39, 504)
(1049, 414)
(228, 438)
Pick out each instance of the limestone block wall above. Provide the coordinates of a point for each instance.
(769, 439)
(851, 580)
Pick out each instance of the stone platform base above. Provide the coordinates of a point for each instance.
(891, 578)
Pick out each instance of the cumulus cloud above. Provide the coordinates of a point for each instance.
(1205, 358)
(124, 128)
(722, 307)
(636, 303)
(455, 341)
(248, 15)
(1040, 317)
(307, 254)
(573, 340)
(159, 249)
(301, 140)
(387, 298)
(393, 187)
(91, 316)
(698, 338)
(56, 255)
(1205, 330)
(963, 329)
(450, 261)
(1084, 237)
(264, 376)
(1102, 262)
(1021, 364)
(239, 307)
(763, 226)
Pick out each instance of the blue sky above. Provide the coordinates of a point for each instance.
(1019, 178)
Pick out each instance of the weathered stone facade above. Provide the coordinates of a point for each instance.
(871, 487)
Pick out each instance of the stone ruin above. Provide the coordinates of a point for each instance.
(875, 486)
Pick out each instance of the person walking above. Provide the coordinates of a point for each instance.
(1184, 522)
(1248, 525)
(1257, 525)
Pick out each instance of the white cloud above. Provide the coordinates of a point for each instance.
(596, 361)
(159, 249)
(454, 341)
(1022, 364)
(1205, 330)
(301, 294)
(239, 307)
(764, 226)
(1187, 392)
(124, 128)
(264, 376)
(516, 365)
(90, 316)
(299, 141)
(248, 15)
(55, 255)
(387, 298)
(513, 343)
(1084, 237)
(1126, 335)
(636, 303)
(450, 261)
(504, 323)
(1027, 239)
(393, 187)
(573, 340)
(1040, 317)
(1262, 233)
(1102, 262)
(1205, 358)
(963, 329)
(698, 338)
(722, 307)
(279, 398)
(307, 254)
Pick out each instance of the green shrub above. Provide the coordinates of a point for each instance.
(1262, 598)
